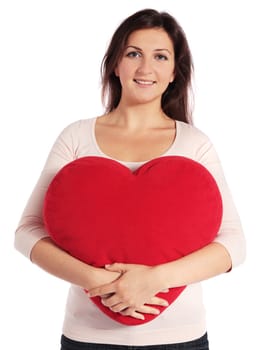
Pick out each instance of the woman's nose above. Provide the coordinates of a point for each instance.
(145, 66)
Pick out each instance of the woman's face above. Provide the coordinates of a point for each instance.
(147, 66)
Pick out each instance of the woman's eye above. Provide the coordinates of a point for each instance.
(161, 58)
(133, 54)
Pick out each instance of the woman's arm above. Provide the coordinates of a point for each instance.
(200, 265)
(31, 238)
(59, 263)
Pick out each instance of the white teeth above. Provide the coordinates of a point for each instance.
(143, 82)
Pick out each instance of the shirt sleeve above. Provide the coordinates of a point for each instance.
(230, 234)
(31, 226)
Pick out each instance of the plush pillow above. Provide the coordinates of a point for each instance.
(100, 212)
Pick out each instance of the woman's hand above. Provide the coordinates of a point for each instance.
(101, 276)
(133, 292)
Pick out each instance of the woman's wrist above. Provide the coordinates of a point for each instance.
(160, 276)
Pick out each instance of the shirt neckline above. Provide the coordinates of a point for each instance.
(167, 152)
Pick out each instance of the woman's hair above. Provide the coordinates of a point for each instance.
(176, 99)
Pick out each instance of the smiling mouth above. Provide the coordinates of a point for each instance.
(144, 82)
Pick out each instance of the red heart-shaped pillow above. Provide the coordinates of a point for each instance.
(100, 212)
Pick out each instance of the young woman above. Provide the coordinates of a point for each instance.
(146, 84)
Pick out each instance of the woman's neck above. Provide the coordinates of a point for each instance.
(138, 117)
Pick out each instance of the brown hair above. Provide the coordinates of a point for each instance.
(176, 98)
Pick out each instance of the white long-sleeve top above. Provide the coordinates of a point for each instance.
(182, 321)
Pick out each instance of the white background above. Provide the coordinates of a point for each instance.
(50, 58)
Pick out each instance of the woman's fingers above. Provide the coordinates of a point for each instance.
(144, 309)
(133, 313)
(111, 300)
(115, 304)
(124, 310)
(118, 308)
(157, 301)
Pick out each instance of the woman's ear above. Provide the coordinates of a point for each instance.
(172, 77)
(116, 71)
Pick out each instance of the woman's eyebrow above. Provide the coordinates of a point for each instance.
(133, 47)
(164, 50)
(139, 49)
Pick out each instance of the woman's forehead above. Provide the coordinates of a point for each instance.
(156, 38)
